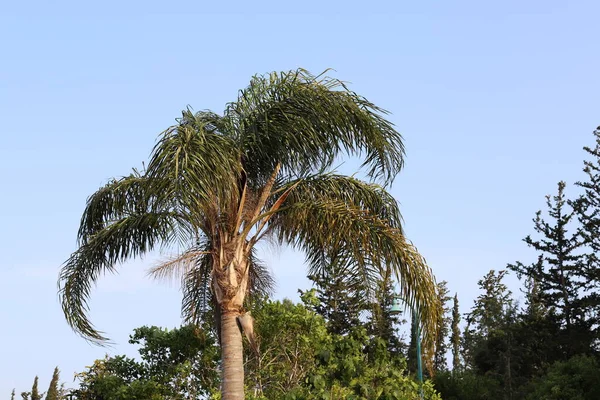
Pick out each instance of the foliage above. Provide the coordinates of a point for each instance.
(575, 379)
(341, 297)
(466, 385)
(344, 364)
(298, 359)
(587, 209)
(290, 335)
(441, 346)
(455, 337)
(183, 360)
(53, 392)
(382, 322)
(560, 273)
(176, 364)
(35, 394)
(302, 360)
(491, 312)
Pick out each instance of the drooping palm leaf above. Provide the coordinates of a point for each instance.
(325, 228)
(129, 237)
(196, 166)
(304, 121)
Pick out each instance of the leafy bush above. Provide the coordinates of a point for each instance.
(575, 379)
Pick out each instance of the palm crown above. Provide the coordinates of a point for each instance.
(216, 185)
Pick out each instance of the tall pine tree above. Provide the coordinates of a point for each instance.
(587, 208)
(560, 271)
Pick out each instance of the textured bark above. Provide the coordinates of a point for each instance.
(232, 386)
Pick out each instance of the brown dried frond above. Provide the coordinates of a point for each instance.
(177, 267)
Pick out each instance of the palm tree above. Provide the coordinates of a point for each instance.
(216, 185)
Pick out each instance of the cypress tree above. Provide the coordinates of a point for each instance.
(455, 338)
(411, 359)
(35, 394)
(52, 393)
(441, 347)
(12, 395)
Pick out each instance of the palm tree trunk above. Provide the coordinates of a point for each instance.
(232, 385)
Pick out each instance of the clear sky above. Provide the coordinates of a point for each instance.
(495, 101)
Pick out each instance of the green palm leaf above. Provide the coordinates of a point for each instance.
(126, 238)
(304, 122)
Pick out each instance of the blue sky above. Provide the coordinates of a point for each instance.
(495, 101)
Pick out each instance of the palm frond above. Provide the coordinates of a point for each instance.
(304, 122)
(118, 198)
(366, 196)
(196, 164)
(197, 295)
(128, 237)
(261, 283)
(177, 267)
(369, 245)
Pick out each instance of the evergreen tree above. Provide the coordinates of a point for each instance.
(559, 266)
(561, 271)
(534, 308)
(455, 338)
(12, 395)
(587, 208)
(490, 307)
(25, 395)
(383, 323)
(441, 346)
(488, 344)
(53, 392)
(341, 297)
(488, 315)
(35, 394)
(411, 356)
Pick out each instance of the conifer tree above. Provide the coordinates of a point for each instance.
(455, 338)
(52, 393)
(441, 346)
(587, 208)
(489, 315)
(35, 394)
(534, 309)
(559, 271)
(341, 297)
(382, 322)
(411, 356)
(12, 395)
